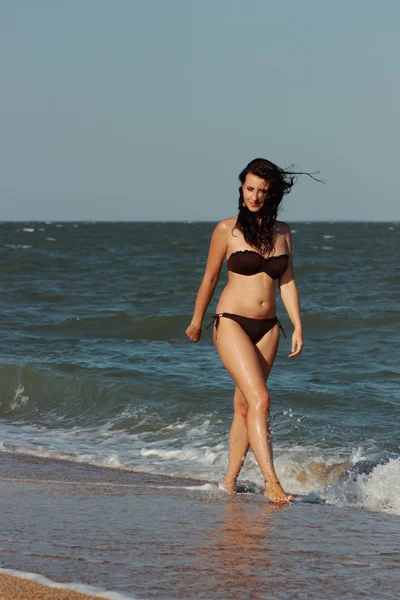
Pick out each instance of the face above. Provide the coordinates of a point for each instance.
(255, 192)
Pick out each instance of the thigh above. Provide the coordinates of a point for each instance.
(267, 349)
(240, 358)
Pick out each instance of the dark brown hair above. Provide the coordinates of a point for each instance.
(257, 229)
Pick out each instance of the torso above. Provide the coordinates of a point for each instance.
(251, 295)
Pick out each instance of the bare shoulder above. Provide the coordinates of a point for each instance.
(282, 228)
(227, 224)
(219, 241)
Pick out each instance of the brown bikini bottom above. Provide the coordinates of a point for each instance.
(254, 328)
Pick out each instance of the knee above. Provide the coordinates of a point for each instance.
(241, 410)
(262, 403)
(241, 407)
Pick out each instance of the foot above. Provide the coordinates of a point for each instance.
(274, 493)
(230, 485)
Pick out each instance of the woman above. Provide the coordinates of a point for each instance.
(258, 249)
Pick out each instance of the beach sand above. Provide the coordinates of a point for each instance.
(16, 588)
(151, 536)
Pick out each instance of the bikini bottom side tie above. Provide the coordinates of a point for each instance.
(254, 328)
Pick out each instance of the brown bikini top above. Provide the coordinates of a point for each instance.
(250, 262)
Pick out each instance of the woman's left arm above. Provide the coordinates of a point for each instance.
(290, 298)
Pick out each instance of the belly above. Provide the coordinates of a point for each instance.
(252, 296)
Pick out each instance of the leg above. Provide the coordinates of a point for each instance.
(238, 440)
(241, 359)
(266, 349)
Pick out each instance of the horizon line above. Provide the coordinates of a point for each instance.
(187, 221)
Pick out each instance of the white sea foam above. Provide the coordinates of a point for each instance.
(50, 239)
(203, 456)
(205, 487)
(328, 237)
(76, 587)
(378, 490)
(192, 449)
(28, 229)
(19, 399)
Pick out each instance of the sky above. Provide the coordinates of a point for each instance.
(143, 110)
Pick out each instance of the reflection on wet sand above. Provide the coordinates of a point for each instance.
(241, 547)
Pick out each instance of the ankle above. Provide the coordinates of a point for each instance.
(271, 479)
(231, 478)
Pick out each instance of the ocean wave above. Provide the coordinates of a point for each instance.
(120, 325)
(83, 394)
(37, 393)
(345, 478)
(368, 484)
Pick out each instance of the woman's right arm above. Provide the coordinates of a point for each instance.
(215, 259)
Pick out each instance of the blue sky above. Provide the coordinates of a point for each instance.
(149, 109)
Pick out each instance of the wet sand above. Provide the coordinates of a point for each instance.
(148, 536)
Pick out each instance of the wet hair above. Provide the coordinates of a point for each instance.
(260, 235)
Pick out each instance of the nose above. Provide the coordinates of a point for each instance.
(254, 196)
(261, 195)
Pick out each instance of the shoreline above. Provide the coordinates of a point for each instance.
(152, 536)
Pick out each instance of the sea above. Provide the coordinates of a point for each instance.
(96, 369)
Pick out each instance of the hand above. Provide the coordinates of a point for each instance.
(297, 343)
(193, 332)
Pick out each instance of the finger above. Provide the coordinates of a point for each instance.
(296, 344)
(295, 353)
(296, 347)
